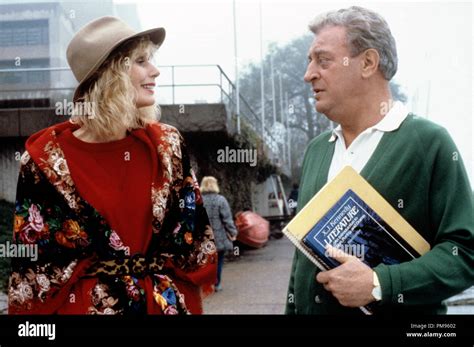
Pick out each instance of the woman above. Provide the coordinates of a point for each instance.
(221, 220)
(109, 198)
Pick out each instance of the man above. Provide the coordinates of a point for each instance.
(293, 199)
(410, 161)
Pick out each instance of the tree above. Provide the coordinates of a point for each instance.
(289, 62)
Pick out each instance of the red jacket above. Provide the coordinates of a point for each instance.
(72, 237)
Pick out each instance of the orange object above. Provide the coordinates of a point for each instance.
(253, 229)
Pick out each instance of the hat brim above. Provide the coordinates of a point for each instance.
(156, 35)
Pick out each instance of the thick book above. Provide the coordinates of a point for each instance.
(349, 214)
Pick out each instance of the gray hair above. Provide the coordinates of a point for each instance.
(365, 29)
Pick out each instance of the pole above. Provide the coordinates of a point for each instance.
(281, 100)
(262, 88)
(428, 100)
(288, 129)
(236, 71)
(172, 82)
(273, 90)
(282, 116)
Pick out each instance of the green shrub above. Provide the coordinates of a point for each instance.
(6, 227)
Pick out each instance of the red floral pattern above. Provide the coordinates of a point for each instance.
(70, 234)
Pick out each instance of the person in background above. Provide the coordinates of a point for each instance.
(220, 217)
(293, 199)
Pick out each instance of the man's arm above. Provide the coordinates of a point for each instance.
(448, 268)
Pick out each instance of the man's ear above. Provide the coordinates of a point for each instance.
(370, 62)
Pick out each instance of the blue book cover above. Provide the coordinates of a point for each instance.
(353, 226)
(349, 214)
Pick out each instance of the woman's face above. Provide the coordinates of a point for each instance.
(143, 74)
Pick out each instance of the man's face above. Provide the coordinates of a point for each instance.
(333, 74)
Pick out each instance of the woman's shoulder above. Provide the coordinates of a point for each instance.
(38, 142)
(161, 133)
(158, 127)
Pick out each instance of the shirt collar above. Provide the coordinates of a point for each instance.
(391, 122)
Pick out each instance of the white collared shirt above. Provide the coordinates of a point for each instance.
(363, 146)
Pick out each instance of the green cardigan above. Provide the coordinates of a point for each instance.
(418, 170)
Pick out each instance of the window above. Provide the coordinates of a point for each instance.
(24, 33)
(28, 77)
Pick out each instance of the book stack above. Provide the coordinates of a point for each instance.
(350, 215)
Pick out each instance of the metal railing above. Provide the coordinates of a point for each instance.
(58, 84)
(228, 96)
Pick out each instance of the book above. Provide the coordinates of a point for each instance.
(350, 215)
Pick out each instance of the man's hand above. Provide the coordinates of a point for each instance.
(351, 283)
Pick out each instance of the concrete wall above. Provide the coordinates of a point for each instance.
(25, 122)
(15, 127)
(206, 128)
(17, 124)
(10, 152)
(187, 118)
(198, 118)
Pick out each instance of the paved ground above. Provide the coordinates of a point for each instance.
(462, 303)
(3, 303)
(256, 283)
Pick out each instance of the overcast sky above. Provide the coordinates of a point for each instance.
(434, 42)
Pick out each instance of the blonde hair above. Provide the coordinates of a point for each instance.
(209, 185)
(109, 98)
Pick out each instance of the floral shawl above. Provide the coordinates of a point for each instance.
(70, 235)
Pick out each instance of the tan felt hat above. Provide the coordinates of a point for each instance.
(94, 42)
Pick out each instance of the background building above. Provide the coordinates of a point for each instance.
(34, 74)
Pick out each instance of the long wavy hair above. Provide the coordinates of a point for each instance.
(108, 101)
